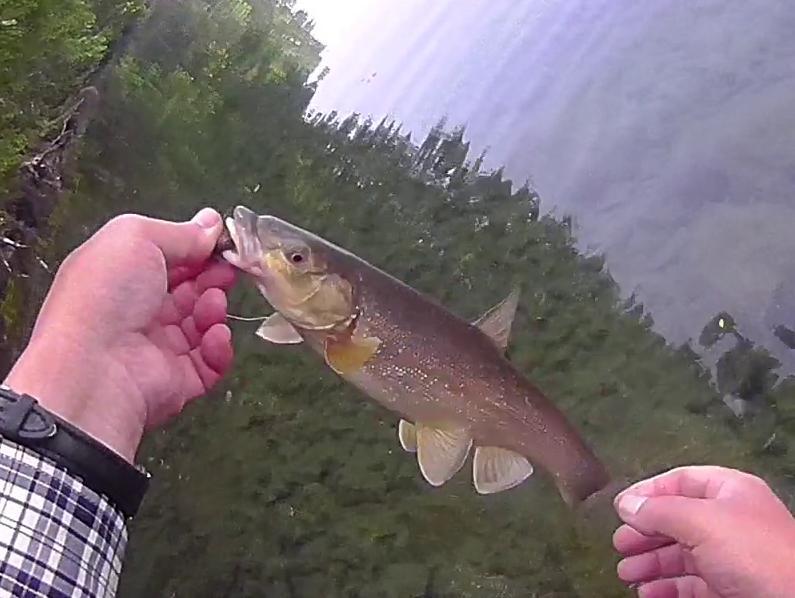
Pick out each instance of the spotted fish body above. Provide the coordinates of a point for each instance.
(447, 379)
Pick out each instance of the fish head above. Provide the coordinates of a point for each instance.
(293, 269)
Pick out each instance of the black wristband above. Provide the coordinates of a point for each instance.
(25, 422)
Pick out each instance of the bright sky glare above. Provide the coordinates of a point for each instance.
(334, 18)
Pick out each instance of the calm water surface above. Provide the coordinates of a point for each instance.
(663, 127)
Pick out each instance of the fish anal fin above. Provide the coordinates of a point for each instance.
(496, 323)
(441, 452)
(496, 469)
(351, 353)
(407, 434)
(276, 329)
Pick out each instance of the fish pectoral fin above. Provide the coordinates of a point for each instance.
(350, 354)
(441, 452)
(407, 434)
(496, 469)
(496, 323)
(276, 329)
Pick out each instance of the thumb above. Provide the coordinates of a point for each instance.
(686, 520)
(183, 243)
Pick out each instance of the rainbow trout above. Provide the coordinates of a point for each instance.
(447, 379)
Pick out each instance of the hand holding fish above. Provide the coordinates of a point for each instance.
(132, 329)
(706, 532)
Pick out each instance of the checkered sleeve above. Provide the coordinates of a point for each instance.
(58, 538)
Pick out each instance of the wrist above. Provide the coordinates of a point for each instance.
(81, 387)
(25, 424)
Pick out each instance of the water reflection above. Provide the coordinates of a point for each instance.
(292, 485)
(661, 127)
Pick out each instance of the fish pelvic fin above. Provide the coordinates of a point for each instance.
(350, 354)
(496, 323)
(407, 434)
(441, 452)
(276, 329)
(496, 469)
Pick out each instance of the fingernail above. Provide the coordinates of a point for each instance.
(624, 570)
(630, 504)
(206, 218)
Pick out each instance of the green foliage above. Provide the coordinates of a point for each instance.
(12, 310)
(47, 47)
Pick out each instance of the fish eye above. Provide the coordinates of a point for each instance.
(296, 256)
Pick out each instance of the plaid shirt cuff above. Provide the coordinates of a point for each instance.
(58, 538)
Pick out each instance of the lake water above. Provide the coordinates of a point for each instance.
(663, 127)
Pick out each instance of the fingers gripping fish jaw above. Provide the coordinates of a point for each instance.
(247, 247)
(232, 255)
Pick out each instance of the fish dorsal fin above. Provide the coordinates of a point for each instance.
(277, 329)
(350, 353)
(441, 452)
(496, 469)
(496, 323)
(407, 434)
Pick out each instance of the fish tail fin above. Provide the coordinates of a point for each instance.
(605, 495)
(597, 511)
(595, 517)
(587, 478)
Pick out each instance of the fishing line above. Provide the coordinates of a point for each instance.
(242, 319)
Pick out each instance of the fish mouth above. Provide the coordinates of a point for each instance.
(242, 227)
